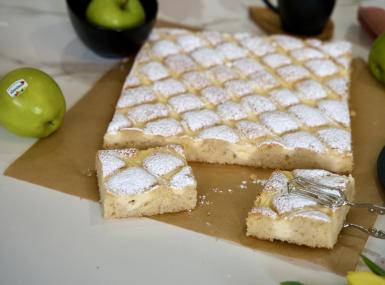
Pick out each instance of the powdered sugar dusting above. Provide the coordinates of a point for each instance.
(164, 127)
(160, 164)
(257, 104)
(197, 79)
(336, 110)
(110, 162)
(288, 202)
(147, 112)
(220, 133)
(284, 97)
(184, 178)
(231, 111)
(279, 122)
(339, 85)
(223, 73)
(322, 67)
(118, 122)
(247, 65)
(154, 71)
(169, 87)
(215, 95)
(264, 211)
(231, 51)
(337, 139)
(276, 60)
(190, 42)
(239, 88)
(310, 90)
(251, 130)
(263, 80)
(306, 54)
(180, 63)
(131, 181)
(135, 96)
(276, 183)
(338, 48)
(206, 57)
(310, 116)
(196, 120)
(287, 42)
(303, 140)
(257, 45)
(291, 73)
(164, 48)
(185, 102)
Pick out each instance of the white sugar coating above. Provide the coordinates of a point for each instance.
(263, 80)
(196, 120)
(110, 162)
(180, 63)
(314, 42)
(119, 121)
(231, 51)
(284, 97)
(197, 79)
(173, 31)
(154, 36)
(148, 112)
(154, 71)
(264, 211)
(215, 95)
(134, 96)
(277, 182)
(287, 42)
(322, 177)
(322, 67)
(313, 215)
(239, 88)
(344, 62)
(169, 87)
(177, 147)
(184, 178)
(241, 35)
(213, 37)
(164, 127)
(310, 90)
(190, 42)
(303, 140)
(276, 60)
(279, 122)
(160, 164)
(251, 130)
(143, 55)
(336, 110)
(164, 48)
(306, 54)
(339, 85)
(223, 73)
(257, 45)
(337, 139)
(310, 116)
(206, 57)
(131, 81)
(247, 65)
(231, 111)
(185, 102)
(131, 181)
(291, 73)
(257, 104)
(338, 48)
(287, 203)
(224, 133)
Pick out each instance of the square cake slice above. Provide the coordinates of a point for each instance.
(279, 215)
(136, 182)
(275, 102)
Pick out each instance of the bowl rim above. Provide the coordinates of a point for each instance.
(84, 20)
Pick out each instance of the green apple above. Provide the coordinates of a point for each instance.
(377, 59)
(116, 14)
(31, 103)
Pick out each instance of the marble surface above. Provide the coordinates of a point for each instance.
(52, 238)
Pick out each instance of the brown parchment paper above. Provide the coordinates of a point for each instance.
(270, 22)
(61, 162)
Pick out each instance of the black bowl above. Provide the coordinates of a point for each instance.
(111, 42)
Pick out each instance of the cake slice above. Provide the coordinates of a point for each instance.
(279, 215)
(136, 182)
(275, 102)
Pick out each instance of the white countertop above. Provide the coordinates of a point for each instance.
(47, 237)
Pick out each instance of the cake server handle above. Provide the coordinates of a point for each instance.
(372, 208)
(373, 232)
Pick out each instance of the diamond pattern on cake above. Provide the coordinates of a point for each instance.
(215, 95)
(322, 67)
(292, 73)
(206, 57)
(257, 104)
(279, 122)
(185, 102)
(180, 63)
(154, 71)
(196, 120)
(258, 46)
(164, 127)
(239, 88)
(231, 111)
(310, 90)
(197, 79)
(169, 87)
(311, 117)
(276, 60)
(284, 97)
(147, 112)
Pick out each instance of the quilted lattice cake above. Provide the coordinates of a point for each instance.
(279, 215)
(136, 182)
(277, 102)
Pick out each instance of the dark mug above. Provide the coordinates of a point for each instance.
(303, 17)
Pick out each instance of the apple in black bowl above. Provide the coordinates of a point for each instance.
(113, 28)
